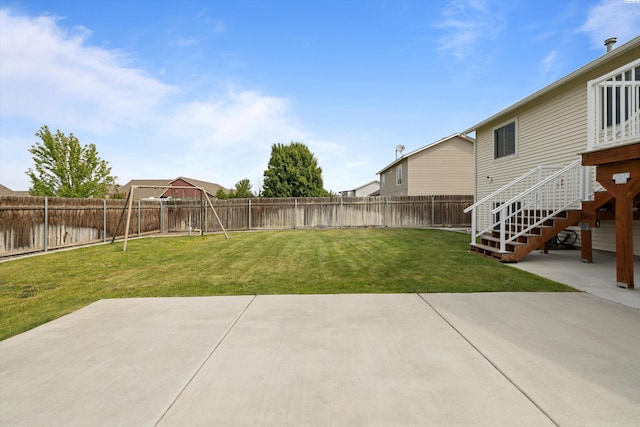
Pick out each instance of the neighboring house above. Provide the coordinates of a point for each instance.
(444, 167)
(163, 188)
(6, 191)
(567, 155)
(370, 189)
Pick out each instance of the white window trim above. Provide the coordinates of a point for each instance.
(382, 180)
(399, 175)
(493, 141)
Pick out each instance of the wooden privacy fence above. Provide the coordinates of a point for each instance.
(36, 224)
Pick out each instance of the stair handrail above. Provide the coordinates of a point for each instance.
(509, 205)
(480, 221)
(538, 185)
(502, 189)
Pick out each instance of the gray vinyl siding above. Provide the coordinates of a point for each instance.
(442, 170)
(391, 188)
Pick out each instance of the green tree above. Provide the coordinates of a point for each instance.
(243, 189)
(221, 194)
(64, 168)
(293, 171)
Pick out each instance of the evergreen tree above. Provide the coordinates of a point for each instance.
(293, 171)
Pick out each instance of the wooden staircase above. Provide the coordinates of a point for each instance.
(537, 237)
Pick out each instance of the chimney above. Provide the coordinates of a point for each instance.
(610, 42)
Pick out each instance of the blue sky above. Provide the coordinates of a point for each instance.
(203, 89)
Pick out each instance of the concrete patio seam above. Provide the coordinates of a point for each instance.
(485, 357)
(206, 359)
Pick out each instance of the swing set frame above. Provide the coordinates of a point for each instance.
(129, 205)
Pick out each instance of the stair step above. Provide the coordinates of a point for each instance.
(497, 240)
(525, 243)
(496, 234)
(489, 248)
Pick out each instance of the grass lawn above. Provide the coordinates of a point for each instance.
(38, 289)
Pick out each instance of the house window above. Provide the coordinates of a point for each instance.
(399, 175)
(382, 180)
(504, 140)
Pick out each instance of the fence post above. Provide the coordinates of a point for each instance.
(341, 213)
(46, 224)
(249, 215)
(206, 216)
(104, 220)
(139, 201)
(433, 210)
(386, 212)
(295, 213)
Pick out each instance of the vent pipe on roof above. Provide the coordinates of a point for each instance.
(610, 42)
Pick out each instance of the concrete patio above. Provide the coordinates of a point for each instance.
(597, 278)
(501, 359)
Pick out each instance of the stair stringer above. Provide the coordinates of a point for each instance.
(546, 233)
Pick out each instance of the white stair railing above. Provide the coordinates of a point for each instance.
(527, 202)
(532, 208)
(482, 218)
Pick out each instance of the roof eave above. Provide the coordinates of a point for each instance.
(433, 144)
(564, 80)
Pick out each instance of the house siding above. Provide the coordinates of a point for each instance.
(604, 237)
(391, 188)
(547, 133)
(550, 130)
(444, 169)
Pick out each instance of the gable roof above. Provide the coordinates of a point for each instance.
(210, 187)
(145, 193)
(374, 182)
(6, 191)
(625, 48)
(366, 185)
(426, 147)
(164, 184)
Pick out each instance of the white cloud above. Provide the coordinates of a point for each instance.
(48, 72)
(612, 18)
(219, 27)
(549, 66)
(236, 117)
(142, 126)
(465, 23)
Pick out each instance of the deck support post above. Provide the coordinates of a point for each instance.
(618, 171)
(624, 237)
(586, 245)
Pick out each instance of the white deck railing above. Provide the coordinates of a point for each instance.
(527, 202)
(613, 108)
